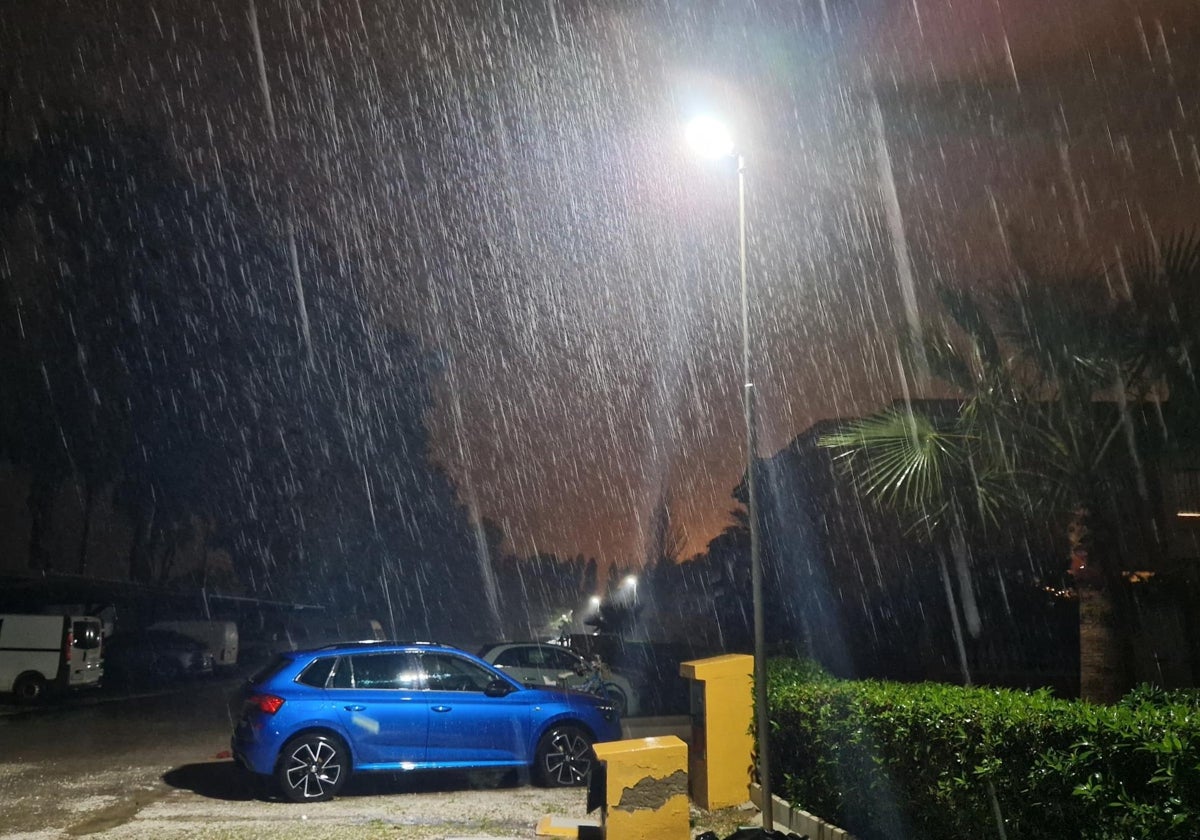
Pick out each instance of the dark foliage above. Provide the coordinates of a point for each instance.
(176, 341)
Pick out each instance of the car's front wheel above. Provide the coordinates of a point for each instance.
(312, 768)
(564, 757)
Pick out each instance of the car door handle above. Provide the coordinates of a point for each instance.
(440, 708)
(355, 708)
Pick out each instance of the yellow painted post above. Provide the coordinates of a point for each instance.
(645, 795)
(722, 753)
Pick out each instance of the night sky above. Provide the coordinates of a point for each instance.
(510, 177)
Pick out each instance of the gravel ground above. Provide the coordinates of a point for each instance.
(505, 812)
(206, 800)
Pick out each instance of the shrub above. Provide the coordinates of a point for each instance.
(890, 760)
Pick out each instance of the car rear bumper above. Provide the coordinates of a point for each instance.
(257, 741)
(252, 752)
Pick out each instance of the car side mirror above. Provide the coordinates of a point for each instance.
(498, 688)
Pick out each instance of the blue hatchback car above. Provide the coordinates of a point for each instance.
(311, 718)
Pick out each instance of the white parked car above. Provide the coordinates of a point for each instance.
(220, 637)
(539, 665)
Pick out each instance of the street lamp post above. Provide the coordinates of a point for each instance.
(712, 139)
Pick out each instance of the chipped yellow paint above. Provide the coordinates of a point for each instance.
(722, 753)
(646, 792)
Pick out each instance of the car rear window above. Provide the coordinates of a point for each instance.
(269, 670)
(317, 673)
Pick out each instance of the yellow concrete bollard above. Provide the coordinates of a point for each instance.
(722, 752)
(645, 796)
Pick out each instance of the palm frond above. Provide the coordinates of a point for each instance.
(968, 314)
(944, 359)
(1058, 332)
(1161, 313)
(902, 459)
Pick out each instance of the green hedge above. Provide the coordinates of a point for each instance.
(891, 760)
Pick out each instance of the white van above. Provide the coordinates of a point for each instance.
(221, 637)
(43, 652)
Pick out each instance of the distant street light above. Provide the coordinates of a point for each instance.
(711, 138)
(630, 582)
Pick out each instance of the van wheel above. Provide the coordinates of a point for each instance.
(30, 689)
(312, 768)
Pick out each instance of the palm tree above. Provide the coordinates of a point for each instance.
(1032, 432)
(1158, 323)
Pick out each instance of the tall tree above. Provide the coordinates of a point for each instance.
(657, 589)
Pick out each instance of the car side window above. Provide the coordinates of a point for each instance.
(445, 672)
(343, 674)
(385, 670)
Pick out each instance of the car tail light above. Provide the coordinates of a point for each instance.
(68, 643)
(265, 703)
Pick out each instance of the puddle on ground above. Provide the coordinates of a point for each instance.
(117, 814)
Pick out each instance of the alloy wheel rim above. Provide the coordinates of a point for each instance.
(568, 761)
(313, 772)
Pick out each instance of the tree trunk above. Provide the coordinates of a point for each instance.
(1104, 672)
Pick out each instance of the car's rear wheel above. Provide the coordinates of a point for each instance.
(312, 768)
(564, 757)
(30, 689)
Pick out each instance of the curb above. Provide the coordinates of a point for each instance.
(798, 820)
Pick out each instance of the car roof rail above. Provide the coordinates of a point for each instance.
(383, 643)
(360, 642)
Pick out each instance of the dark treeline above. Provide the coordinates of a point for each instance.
(162, 342)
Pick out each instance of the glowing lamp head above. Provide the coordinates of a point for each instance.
(709, 137)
